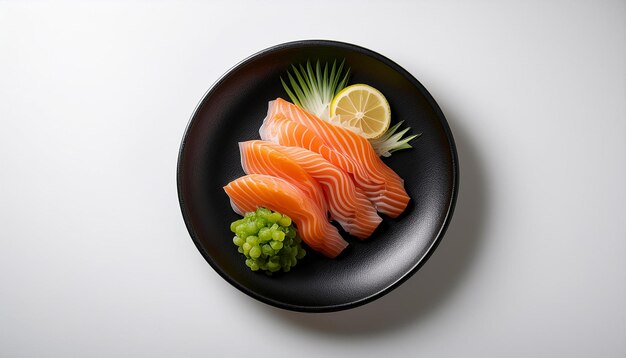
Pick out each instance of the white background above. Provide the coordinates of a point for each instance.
(95, 260)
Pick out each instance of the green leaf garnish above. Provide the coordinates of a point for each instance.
(313, 90)
(392, 141)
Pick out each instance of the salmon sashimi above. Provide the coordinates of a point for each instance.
(347, 150)
(394, 199)
(281, 130)
(347, 203)
(252, 191)
(259, 159)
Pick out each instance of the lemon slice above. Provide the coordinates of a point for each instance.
(362, 109)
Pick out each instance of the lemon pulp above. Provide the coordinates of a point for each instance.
(362, 109)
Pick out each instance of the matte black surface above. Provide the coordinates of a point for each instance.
(233, 110)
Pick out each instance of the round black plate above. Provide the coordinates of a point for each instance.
(233, 110)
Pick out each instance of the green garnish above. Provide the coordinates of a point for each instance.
(392, 141)
(314, 90)
(268, 240)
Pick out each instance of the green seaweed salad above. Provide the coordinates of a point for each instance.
(268, 240)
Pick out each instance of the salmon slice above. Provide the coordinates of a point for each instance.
(259, 159)
(281, 130)
(252, 191)
(347, 203)
(347, 150)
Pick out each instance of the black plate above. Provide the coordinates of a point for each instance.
(232, 111)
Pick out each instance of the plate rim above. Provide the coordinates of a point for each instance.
(429, 251)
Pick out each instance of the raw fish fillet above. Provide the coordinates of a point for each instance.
(252, 191)
(347, 150)
(281, 130)
(259, 159)
(347, 204)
